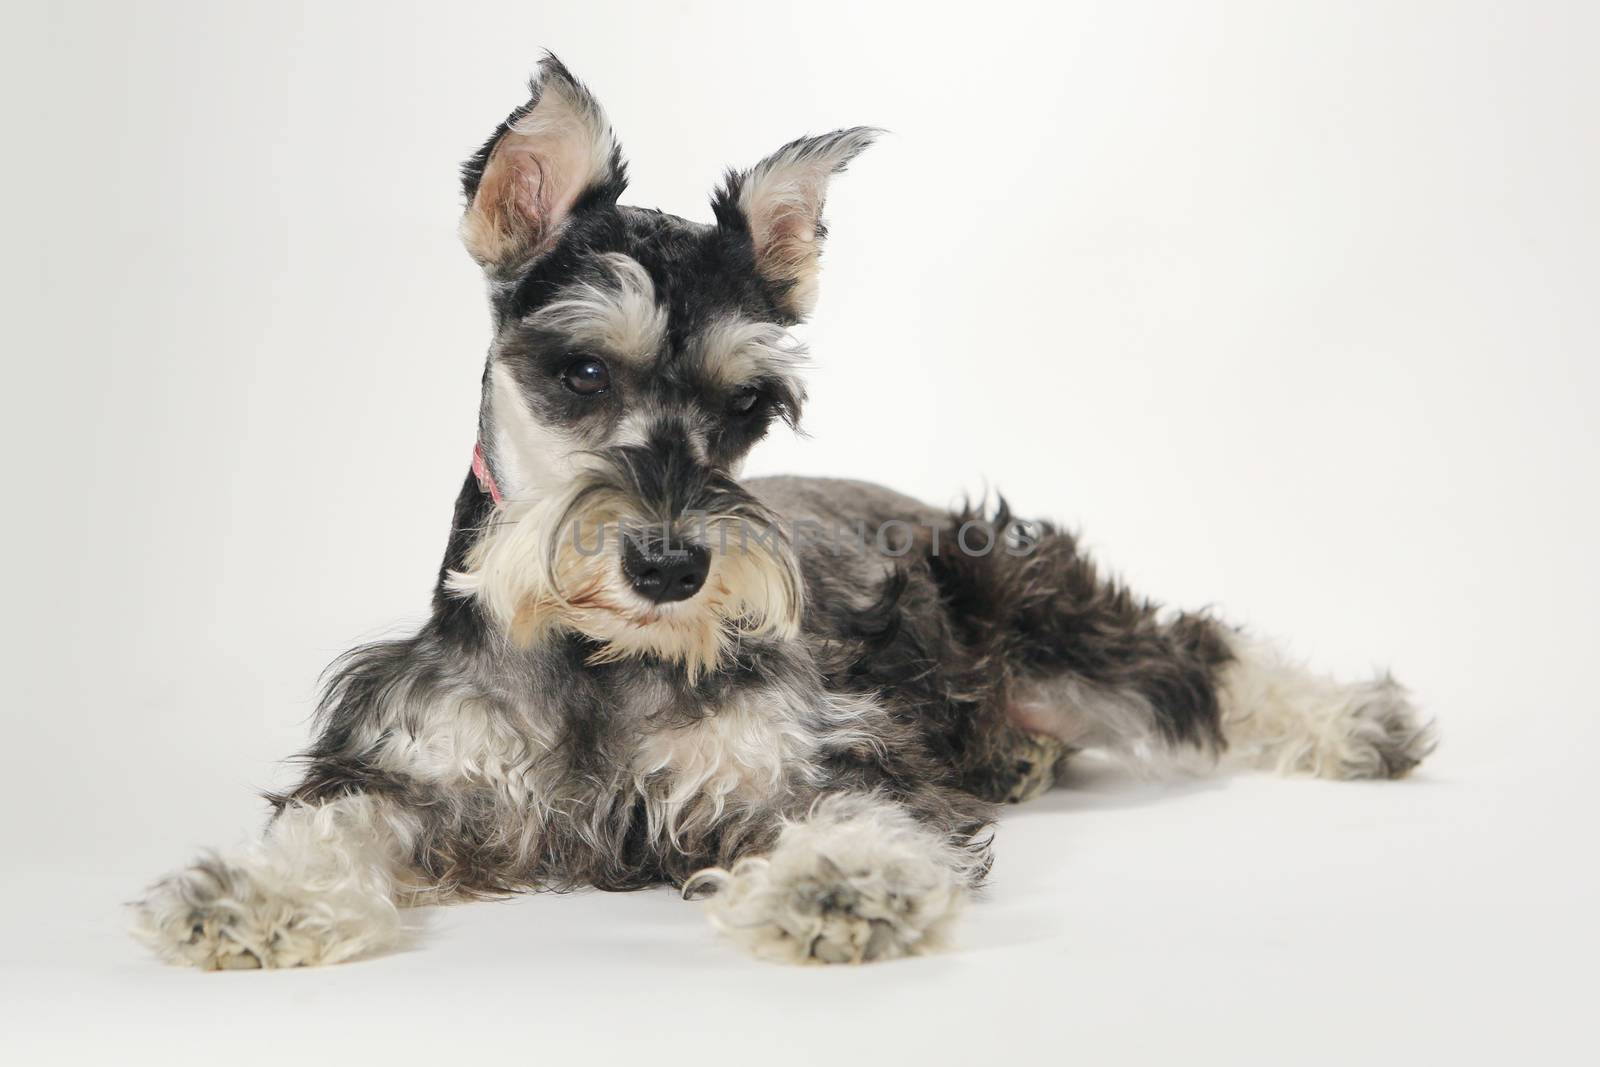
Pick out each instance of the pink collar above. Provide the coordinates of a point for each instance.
(480, 469)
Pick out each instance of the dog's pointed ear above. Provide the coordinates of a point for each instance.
(554, 156)
(776, 206)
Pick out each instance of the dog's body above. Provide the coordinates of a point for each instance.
(802, 696)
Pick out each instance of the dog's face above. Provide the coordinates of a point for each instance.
(636, 360)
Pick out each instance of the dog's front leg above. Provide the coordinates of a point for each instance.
(319, 887)
(857, 878)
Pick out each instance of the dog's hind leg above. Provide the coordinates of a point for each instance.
(321, 886)
(1257, 709)
(1279, 716)
(1093, 666)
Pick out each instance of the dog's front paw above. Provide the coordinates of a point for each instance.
(852, 883)
(207, 916)
(217, 915)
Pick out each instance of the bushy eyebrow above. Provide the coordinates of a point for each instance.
(618, 314)
(733, 351)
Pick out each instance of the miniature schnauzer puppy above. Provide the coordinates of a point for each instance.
(796, 699)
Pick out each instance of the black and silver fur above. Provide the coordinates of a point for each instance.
(814, 732)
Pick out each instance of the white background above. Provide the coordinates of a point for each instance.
(1290, 307)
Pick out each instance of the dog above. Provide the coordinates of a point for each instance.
(799, 701)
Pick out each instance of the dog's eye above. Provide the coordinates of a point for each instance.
(586, 377)
(744, 401)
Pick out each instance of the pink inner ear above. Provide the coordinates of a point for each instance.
(791, 226)
(551, 173)
(537, 172)
(785, 207)
(525, 188)
(511, 196)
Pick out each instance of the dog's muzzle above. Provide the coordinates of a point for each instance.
(669, 498)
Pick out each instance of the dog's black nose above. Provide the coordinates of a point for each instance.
(664, 572)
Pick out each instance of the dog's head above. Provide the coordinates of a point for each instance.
(637, 358)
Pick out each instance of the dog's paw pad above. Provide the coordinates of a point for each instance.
(244, 960)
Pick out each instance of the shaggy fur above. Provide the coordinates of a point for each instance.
(813, 729)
